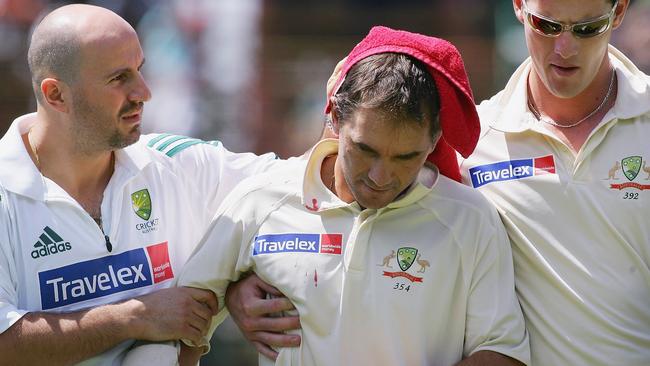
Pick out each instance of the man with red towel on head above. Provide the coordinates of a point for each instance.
(386, 257)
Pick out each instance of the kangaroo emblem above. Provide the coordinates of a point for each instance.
(423, 263)
(612, 172)
(386, 262)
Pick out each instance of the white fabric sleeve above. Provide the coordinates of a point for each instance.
(494, 318)
(9, 312)
(224, 253)
(213, 171)
(149, 353)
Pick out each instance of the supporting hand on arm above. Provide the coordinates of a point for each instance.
(64, 338)
(252, 312)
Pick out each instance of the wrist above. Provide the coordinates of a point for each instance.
(128, 316)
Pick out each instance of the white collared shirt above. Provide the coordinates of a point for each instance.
(156, 207)
(578, 223)
(426, 280)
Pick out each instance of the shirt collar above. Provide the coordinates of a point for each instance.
(317, 197)
(511, 114)
(20, 175)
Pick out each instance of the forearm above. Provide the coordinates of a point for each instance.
(66, 338)
(489, 358)
(189, 356)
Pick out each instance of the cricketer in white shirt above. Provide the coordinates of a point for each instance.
(425, 280)
(156, 207)
(578, 223)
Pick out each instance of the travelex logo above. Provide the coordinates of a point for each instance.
(298, 243)
(511, 169)
(49, 243)
(104, 276)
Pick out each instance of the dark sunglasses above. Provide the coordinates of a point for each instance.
(552, 28)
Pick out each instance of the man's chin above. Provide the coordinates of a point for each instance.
(122, 141)
(373, 203)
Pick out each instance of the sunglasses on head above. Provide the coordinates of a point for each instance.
(552, 28)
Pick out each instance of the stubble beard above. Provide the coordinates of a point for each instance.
(95, 132)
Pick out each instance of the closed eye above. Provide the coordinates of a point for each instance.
(119, 77)
(409, 156)
(365, 148)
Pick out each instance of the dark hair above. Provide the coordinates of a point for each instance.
(395, 83)
(53, 52)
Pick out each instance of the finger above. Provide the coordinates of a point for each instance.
(193, 334)
(203, 310)
(266, 350)
(269, 306)
(268, 288)
(204, 296)
(272, 324)
(276, 339)
(335, 76)
(198, 323)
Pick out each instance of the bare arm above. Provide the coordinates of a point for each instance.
(250, 309)
(55, 339)
(489, 358)
(189, 356)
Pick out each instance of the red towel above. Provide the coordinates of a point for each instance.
(458, 117)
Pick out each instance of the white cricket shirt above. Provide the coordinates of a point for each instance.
(579, 225)
(426, 280)
(156, 207)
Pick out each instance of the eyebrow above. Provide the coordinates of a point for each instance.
(124, 69)
(369, 149)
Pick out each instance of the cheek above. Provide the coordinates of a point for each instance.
(407, 171)
(596, 52)
(357, 162)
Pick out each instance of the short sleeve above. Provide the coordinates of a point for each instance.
(9, 312)
(494, 318)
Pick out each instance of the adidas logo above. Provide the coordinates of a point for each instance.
(50, 243)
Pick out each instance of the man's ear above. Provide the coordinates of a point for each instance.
(519, 10)
(436, 139)
(619, 13)
(56, 94)
(334, 122)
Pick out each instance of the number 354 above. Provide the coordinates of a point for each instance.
(402, 287)
(631, 196)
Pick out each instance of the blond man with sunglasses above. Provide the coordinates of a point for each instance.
(563, 156)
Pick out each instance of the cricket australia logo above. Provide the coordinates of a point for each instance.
(141, 204)
(405, 257)
(631, 166)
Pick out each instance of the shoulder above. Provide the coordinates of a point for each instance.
(271, 185)
(187, 152)
(254, 197)
(460, 207)
(463, 196)
(169, 147)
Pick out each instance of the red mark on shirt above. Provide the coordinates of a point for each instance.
(314, 203)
